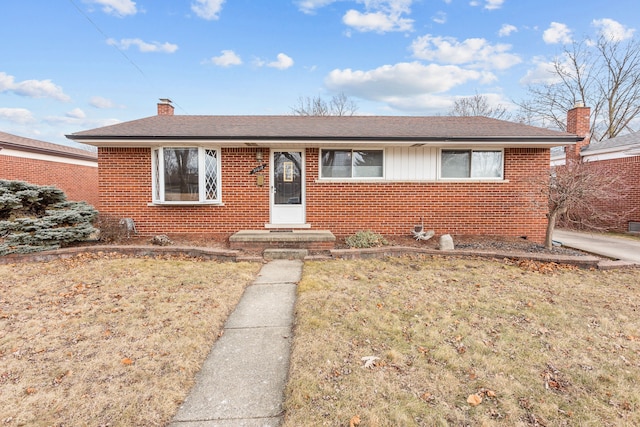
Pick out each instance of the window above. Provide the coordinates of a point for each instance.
(351, 164)
(186, 175)
(471, 164)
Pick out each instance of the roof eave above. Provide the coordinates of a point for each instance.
(150, 141)
(50, 152)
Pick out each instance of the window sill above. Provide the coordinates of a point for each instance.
(412, 181)
(474, 180)
(185, 204)
(349, 180)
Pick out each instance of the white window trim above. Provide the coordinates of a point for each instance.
(352, 178)
(159, 191)
(465, 179)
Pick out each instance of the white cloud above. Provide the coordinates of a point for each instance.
(507, 29)
(32, 88)
(78, 122)
(310, 6)
(406, 86)
(227, 59)
(613, 30)
(557, 33)
(493, 4)
(489, 4)
(76, 113)
(543, 73)
(207, 9)
(143, 46)
(100, 102)
(440, 18)
(403, 79)
(475, 52)
(117, 7)
(378, 15)
(282, 63)
(376, 21)
(16, 115)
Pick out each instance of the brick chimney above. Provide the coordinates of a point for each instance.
(165, 107)
(578, 122)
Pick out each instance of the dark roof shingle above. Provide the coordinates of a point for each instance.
(20, 143)
(622, 142)
(320, 128)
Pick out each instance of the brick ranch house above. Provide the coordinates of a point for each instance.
(620, 155)
(221, 174)
(73, 170)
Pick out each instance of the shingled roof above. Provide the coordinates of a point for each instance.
(19, 143)
(407, 129)
(630, 141)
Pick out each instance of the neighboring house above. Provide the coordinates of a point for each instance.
(620, 155)
(73, 170)
(222, 174)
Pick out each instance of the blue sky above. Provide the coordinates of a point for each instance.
(72, 65)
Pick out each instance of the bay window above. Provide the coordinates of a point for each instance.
(186, 175)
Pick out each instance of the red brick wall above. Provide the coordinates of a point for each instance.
(80, 183)
(500, 208)
(126, 192)
(628, 208)
(503, 208)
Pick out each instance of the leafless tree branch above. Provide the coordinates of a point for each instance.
(339, 105)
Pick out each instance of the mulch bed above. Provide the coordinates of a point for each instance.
(483, 243)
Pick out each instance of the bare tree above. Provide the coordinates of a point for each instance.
(579, 193)
(604, 75)
(339, 105)
(478, 105)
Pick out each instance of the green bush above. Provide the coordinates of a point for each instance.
(36, 218)
(366, 239)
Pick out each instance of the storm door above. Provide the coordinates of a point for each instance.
(287, 187)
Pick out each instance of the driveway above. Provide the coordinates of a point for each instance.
(617, 248)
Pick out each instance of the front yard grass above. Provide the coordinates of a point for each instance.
(104, 340)
(419, 341)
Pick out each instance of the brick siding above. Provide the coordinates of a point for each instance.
(80, 183)
(392, 208)
(628, 208)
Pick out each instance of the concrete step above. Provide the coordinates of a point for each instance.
(315, 241)
(271, 254)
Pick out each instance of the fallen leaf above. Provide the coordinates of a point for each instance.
(355, 421)
(427, 397)
(491, 393)
(30, 390)
(423, 350)
(126, 361)
(369, 361)
(474, 399)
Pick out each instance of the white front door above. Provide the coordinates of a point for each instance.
(287, 187)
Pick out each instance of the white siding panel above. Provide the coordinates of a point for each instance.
(410, 163)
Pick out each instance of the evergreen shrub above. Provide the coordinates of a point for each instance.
(35, 218)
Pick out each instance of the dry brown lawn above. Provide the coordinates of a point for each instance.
(104, 340)
(418, 341)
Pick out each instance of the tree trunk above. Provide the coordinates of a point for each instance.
(551, 225)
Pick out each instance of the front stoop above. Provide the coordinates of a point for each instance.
(314, 241)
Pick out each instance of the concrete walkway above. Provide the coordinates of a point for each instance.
(243, 379)
(616, 248)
